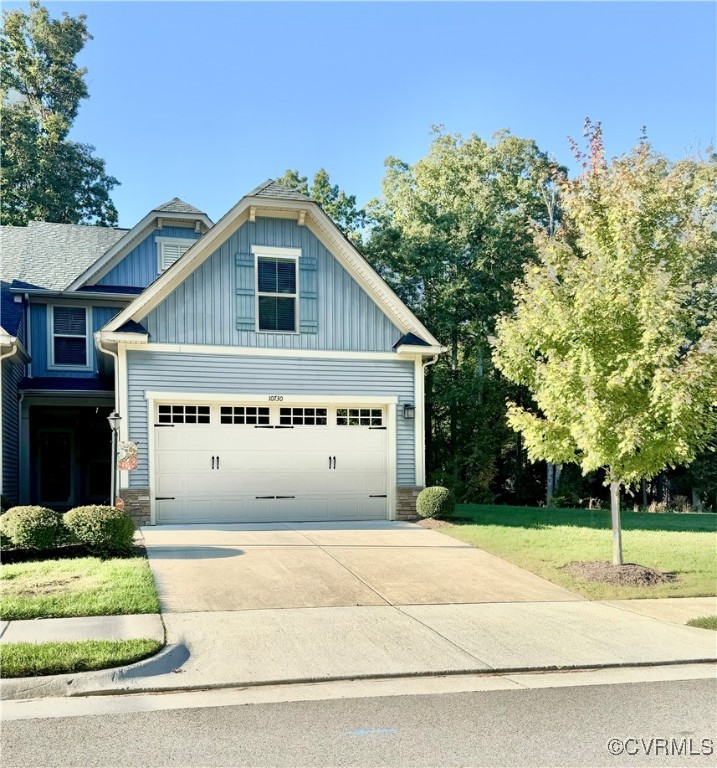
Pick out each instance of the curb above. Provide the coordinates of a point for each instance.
(110, 682)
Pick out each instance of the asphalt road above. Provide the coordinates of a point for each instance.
(542, 727)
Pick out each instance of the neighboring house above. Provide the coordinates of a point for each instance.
(262, 367)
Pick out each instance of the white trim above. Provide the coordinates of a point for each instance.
(128, 241)
(419, 426)
(287, 254)
(288, 398)
(122, 337)
(419, 349)
(51, 364)
(181, 242)
(319, 223)
(122, 403)
(392, 451)
(207, 349)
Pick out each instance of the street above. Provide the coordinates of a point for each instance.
(551, 726)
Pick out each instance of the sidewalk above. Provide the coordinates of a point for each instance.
(259, 647)
(137, 626)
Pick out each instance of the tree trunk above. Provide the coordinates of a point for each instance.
(643, 488)
(616, 531)
(696, 500)
(453, 415)
(556, 479)
(549, 483)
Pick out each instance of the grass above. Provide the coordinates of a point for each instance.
(704, 622)
(83, 586)
(34, 659)
(544, 540)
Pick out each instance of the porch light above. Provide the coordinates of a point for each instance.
(114, 419)
(409, 411)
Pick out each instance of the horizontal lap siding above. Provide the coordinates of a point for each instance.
(12, 373)
(203, 309)
(170, 372)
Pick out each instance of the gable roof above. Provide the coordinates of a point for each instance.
(271, 199)
(175, 205)
(49, 255)
(175, 209)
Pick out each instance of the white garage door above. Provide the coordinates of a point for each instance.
(254, 463)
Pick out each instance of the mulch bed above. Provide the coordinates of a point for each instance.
(627, 575)
(432, 522)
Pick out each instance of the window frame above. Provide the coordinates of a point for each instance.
(276, 254)
(164, 240)
(55, 366)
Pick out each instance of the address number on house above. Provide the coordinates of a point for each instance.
(276, 398)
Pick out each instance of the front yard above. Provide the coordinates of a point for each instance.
(544, 541)
(82, 586)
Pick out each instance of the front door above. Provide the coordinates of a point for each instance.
(55, 466)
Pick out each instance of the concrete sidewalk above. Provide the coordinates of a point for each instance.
(137, 626)
(228, 649)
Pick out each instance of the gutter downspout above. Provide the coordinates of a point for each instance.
(113, 461)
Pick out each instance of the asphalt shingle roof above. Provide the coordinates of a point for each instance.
(271, 188)
(175, 205)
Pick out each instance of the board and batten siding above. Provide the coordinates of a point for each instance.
(40, 340)
(203, 309)
(139, 267)
(240, 375)
(12, 373)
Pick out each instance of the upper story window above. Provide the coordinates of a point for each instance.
(169, 249)
(277, 295)
(68, 337)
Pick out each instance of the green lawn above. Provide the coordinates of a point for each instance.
(34, 659)
(83, 586)
(544, 540)
(704, 622)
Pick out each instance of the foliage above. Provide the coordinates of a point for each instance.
(615, 328)
(450, 235)
(45, 176)
(545, 540)
(83, 586)
(32, 527)
(102, 530)
(704, 622)
(35, 659)
(339, 206)
(435, 502)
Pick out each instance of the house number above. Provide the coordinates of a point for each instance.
(276, 398)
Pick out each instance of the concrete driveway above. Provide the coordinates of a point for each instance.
(329, 565)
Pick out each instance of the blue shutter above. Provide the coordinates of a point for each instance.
(246, 306)
(308, 294)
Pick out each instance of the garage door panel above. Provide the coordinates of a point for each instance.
(259, 462)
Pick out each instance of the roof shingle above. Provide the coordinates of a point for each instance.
(175, 205)
(272, 188)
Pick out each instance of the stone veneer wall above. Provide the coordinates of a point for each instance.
(406, 502)
(136, 504)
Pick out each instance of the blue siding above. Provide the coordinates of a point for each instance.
(139, 267)
(40, 343)
(176, 372)
(203, 309)
(11, 374)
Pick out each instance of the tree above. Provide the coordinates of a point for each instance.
(45, 176)
(336, 203)
(614, 331)
(451, 235)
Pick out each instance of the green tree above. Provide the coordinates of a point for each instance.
(43, 175)
(339, 206)
(614, 331)
(451, 234)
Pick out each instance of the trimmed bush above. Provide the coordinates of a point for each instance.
(102, 530)
(435, 502)
(33, 527)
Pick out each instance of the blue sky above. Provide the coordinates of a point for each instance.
(206, 100)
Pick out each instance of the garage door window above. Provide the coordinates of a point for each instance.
(309, 417)
(240, 414)
(359, 417)
(183, 414)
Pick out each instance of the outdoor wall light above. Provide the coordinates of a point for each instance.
(114, 419)
(409, 411)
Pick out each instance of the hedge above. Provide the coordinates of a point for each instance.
(435, 502)
(102, 530)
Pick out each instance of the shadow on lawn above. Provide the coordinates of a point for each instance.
(10, 555)
(540, 517)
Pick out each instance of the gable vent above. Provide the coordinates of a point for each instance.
(169, 253)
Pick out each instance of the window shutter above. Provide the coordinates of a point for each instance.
(308, 294)
(246, 318)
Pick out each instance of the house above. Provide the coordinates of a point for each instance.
(262, 368)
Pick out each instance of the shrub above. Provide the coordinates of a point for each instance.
(32, 527)
(435, 502)
(102, 530)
